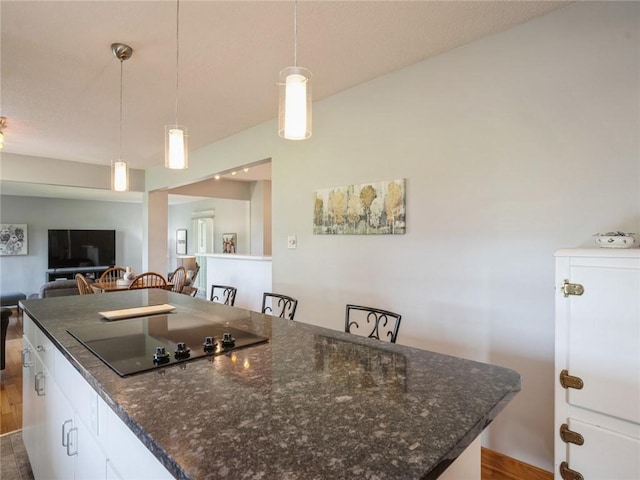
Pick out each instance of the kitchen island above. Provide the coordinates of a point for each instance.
(310, 403)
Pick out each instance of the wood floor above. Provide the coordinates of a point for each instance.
(495, 466)
(11, 379)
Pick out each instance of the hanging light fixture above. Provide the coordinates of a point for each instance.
(294, 106)
(3, 125)
(176, 155)
(119, 168)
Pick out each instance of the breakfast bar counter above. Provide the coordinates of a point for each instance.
(310, 403)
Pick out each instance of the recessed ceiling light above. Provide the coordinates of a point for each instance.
(217, 177)
(233, 173)
(246, 169)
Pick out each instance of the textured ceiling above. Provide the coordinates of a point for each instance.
(60, 82)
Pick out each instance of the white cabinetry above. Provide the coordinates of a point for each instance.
(597, 364)
(69, 432)
(57, 441)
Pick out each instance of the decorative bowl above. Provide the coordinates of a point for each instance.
(615, 239)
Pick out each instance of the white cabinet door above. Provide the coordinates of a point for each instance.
(91, 463)
(33, 406)
(605, 454)
(59, 439)
(129, 457)
(604, 340)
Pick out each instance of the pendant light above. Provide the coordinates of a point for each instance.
(176, 155)
(294, 105)
(119, 168)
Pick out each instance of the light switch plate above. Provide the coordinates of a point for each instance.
(291, 241)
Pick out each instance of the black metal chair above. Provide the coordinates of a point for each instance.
(373, 320)
(226, 296)
(281, 305)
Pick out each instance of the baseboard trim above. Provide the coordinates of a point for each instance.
(496, 465)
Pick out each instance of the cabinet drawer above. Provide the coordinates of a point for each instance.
(42, 345)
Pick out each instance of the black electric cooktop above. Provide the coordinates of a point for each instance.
(140, 344)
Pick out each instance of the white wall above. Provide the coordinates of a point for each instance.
(261, 218)
(231, 216)
(27, 273)
(513, 146)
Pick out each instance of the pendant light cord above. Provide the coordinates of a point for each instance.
(295, 33)
(120, 147)
(177, 53)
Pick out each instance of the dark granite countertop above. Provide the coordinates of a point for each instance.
(312, 403)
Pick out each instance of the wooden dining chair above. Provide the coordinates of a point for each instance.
(374, 321)
(148, 280)
(189, 288)
(83, 285)
(279, 305)
(112, 274)
(223, 294)
(178, 278)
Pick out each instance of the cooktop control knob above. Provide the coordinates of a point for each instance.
(182, 351)
(228, 340)
(161, 355)
(209, 344)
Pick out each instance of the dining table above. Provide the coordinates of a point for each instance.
(120, 285)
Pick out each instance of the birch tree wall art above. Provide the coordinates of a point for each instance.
(368, 209)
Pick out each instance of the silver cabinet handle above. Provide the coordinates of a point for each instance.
(39, 384)
(71, 443)
(26, 353)
(65, 434)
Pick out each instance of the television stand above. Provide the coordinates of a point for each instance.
(70, 273)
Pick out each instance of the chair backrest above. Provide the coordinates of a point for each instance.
(223, 294)
(279, 305)
(112, 274)
(192, 274)
(148, 280)
(178, 278)
(189, 288)
(373, 322)
(83, 286)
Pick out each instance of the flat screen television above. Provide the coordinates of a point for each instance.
(82, 248)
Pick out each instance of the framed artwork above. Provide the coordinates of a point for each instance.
(181, 242)
(13, 239)
(229, 242)
(377, 208)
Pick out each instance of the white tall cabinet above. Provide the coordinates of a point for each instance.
(597, 364)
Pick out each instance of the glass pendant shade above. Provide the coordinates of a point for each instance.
(119, 176)
(176, 153)
(294, 108)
